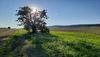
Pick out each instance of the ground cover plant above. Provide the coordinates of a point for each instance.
(55, 44)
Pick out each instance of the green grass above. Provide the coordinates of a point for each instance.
(55, 44)
(76, 36)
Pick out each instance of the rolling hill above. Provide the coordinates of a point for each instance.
(75, 26)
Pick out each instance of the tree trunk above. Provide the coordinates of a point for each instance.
(33, 29)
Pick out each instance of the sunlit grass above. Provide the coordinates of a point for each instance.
(77, 36)
(55, 44)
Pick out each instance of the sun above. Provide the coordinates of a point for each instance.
(34, 9)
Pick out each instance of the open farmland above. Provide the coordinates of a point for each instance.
(4, 32)
(55, 44)
(92, 30)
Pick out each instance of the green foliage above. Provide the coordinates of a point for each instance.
(32, 20)
(56, 44)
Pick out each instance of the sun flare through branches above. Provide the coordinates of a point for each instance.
(34, 9)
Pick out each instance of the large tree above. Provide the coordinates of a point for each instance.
(32, 20)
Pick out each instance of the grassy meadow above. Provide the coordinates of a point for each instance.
(55, 44)
(91, 30)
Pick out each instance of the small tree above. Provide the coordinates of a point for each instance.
(34, 21)
(9, 27)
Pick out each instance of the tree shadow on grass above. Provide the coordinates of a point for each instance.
(46, 45)
(13, 46)
(53, 47)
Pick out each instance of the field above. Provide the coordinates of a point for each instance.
(56, 44)
(4, 32)
(93, 30)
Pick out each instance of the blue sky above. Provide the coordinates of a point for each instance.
(60, 12)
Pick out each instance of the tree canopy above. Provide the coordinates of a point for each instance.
(34, 21)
